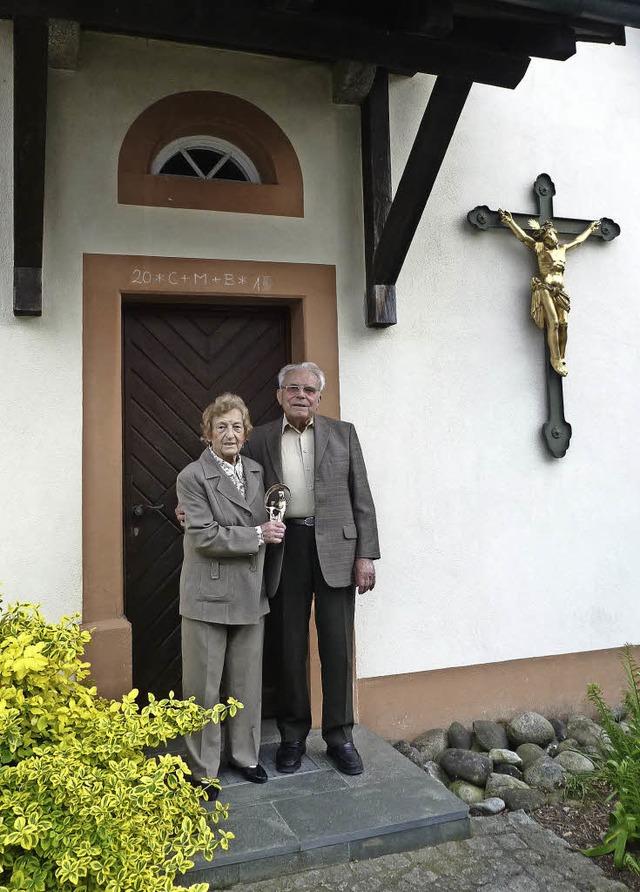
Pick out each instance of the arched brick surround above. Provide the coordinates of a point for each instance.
(205, 113)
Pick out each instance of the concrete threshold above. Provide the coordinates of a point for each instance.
(319, 817)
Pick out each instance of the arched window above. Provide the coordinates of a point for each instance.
(207, 158)
(209, 151)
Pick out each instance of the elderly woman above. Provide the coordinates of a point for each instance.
(222, 596)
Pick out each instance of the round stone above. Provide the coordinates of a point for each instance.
(490, 735)
(530, 727)
(575, 763)
(498, 784)
(545, 774)
(459, 737)
(492, 806)
(466, 765)
(527, 800)
(469, 793)
(437, 773)
(529, 753)
(505, 757)
(432, 742)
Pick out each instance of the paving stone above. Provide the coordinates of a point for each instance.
(417, 878)
(512, 842)
(527, 857)
(515, 884)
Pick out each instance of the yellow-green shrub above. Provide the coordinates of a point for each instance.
(81, 807)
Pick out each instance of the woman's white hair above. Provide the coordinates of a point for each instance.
(307, 367)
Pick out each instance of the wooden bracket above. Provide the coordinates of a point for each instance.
(376, 195)
(390, 225)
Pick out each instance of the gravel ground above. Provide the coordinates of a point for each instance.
(582, 825)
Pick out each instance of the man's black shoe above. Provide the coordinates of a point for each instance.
(201, 783)
(289, 756)
(254, 773)
(346, 758)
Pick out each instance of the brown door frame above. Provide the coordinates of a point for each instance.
(108, 279)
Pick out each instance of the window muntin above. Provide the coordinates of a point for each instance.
(206, 158)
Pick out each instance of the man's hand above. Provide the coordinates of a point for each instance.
(180, 514)
(365, 575)
(273, 532)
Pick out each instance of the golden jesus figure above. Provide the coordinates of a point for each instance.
(550, 303)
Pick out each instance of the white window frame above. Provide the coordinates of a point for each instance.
(228, 150)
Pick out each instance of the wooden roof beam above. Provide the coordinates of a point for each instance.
(30, 50)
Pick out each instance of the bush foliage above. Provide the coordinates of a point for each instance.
(81, 807)
(620, 769)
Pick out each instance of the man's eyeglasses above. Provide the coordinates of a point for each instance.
(295, 388)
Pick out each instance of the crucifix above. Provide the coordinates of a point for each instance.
(549, 300)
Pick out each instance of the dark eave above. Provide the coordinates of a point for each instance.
(318, 35)
(488, 42)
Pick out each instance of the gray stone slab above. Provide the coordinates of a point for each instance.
(222, 876)
(282, 787)
(369, 810)
(260, 831)
(408, 840)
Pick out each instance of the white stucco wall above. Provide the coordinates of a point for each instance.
(491, 549)
(40, 429)
(494, 549)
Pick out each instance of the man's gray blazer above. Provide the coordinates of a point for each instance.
(345, 525)
(221, 580)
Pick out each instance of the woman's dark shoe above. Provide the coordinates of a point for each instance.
(289, 756)
(200, 783)
(254, 773)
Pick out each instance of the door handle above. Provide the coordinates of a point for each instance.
(141, 509)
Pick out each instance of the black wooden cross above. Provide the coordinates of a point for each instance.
(556, 430)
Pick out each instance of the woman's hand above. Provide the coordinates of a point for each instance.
(273, 532)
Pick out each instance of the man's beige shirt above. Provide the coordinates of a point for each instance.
(298, 461)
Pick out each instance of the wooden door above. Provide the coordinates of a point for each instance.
(176, 361)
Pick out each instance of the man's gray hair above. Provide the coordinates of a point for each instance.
(305, 366)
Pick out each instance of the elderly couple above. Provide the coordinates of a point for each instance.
(325, 547)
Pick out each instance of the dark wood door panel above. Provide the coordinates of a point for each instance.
(176, 361)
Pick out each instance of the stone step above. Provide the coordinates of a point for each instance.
(318, 816)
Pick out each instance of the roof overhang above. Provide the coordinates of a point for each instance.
(487, 41)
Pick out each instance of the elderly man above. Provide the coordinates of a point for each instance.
(330, 544)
